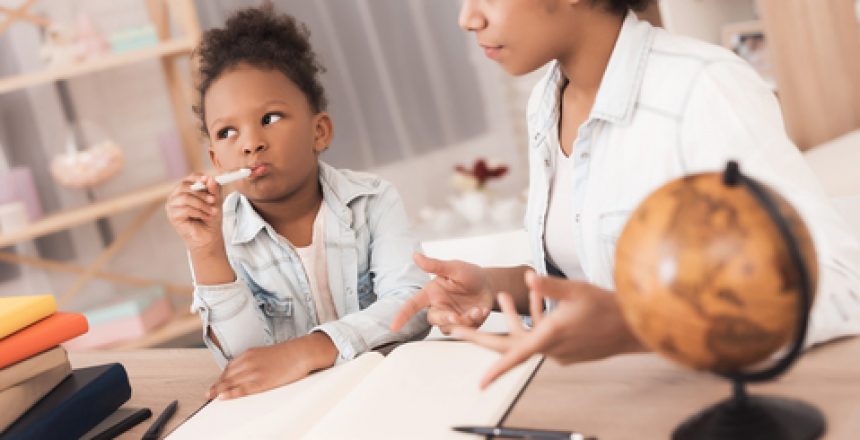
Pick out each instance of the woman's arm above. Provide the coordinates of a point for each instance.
(732, 115)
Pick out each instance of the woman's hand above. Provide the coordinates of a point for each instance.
(263, 368)
(196, 215)
(459, 295)
(587, 324)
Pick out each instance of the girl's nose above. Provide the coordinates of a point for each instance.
(260, 147)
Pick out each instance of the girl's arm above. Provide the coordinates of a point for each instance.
(395, 277)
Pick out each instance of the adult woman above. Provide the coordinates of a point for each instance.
(623, 108)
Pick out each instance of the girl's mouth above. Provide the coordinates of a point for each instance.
(258, 170)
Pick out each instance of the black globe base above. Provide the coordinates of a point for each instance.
(754, 418)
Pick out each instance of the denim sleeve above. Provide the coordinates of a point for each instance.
(396, 279)
(230, 311)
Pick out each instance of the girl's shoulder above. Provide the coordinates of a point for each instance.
(347, 185)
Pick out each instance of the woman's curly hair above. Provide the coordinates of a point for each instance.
(261, 38)
(621, 7)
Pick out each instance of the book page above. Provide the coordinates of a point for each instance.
(421, 390)
(285, 412)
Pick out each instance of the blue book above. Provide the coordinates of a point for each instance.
(75, 406)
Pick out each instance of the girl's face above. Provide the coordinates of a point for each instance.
(521, 35)
(259, 119)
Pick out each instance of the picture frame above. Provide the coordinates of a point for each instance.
(748, 40)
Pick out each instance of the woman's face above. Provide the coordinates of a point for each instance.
(259, 119)
(520, 35)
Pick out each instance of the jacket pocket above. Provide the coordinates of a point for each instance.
(609, 228)
(278, 313)
(366, 293)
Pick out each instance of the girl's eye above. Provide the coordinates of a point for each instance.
(271, 118)
(224, 133)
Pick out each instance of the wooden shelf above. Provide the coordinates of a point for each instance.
(182, 324)
(164, 49)
(74, 217)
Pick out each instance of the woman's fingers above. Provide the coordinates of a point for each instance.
(493, 341)
(509, 309)
(431, 265)
(536, 306)
(533, 342)
(552, 287)
(478, 315)
(410, 308)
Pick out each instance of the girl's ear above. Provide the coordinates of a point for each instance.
(323, 131)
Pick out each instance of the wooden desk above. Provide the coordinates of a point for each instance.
(627, 397)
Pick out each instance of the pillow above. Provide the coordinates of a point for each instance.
(849, 207)
(837, 164)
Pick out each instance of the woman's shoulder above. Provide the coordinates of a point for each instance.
(669, 47)
(677, 64)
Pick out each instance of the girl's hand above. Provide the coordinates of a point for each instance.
(263, 368)
(587, 324)
(196, 215)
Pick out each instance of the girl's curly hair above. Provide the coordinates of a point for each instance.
(261, 38)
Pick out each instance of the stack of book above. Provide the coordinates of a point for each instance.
(40, 395)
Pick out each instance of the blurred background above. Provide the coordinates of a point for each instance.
(96, 127)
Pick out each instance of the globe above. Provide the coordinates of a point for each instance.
(705, 277)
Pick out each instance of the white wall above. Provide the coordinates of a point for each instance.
(130, 105)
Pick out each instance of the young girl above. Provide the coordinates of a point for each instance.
(623, 109)
(304, 265)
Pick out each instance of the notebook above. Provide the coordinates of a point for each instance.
(129, 318)
(26, 369)
(76, 405)
(17, 312)
(419, 391)
(16, 400)
(125, 305)
(41, 336)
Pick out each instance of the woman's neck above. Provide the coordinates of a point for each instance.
(584, 61)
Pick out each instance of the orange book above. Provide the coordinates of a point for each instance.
(42, 335)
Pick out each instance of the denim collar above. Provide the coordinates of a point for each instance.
(621, 83)
(338, 192)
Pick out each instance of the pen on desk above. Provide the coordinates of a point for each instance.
(542, 434)
(124, 425)
(161, 421)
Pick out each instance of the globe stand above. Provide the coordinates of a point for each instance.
(754, 417)
(744, 417)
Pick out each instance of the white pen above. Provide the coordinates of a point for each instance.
(224, 179)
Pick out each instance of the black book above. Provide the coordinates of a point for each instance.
(75, 406)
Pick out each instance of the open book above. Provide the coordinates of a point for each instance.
(420, 390)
